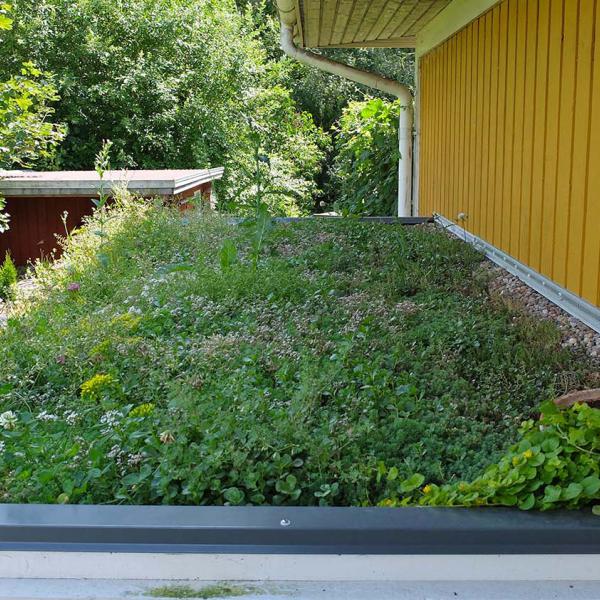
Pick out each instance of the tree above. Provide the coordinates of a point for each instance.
(173, 84)
(26, 134)
(365, 168)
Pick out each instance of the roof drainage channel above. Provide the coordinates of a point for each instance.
(381, 220)
(293, 530)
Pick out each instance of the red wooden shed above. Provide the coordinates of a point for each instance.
(36, 201)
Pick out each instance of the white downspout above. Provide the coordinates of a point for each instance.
(379, 82)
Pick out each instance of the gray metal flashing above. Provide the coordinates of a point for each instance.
(382, 220)
(172, 182)
(295, 530)
(571, 303)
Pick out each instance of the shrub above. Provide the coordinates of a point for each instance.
(365, 170)
(8, 278)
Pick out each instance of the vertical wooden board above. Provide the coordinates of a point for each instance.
(485, 124)
(474, 221)
(466, 205)
(459, 142)
(461, 157)
(472, 129)
(519, 123)
(452, 129)
(444, 125)
(456, 134)
(529, 120)
(538, 165)
(465, 121)
(565, 142)
(448, 138)
(509, 126)
(581, 137)
(552, 135)
(500, 122)
(590, 285)
(493, 124)
(38, 219)
(439, 132)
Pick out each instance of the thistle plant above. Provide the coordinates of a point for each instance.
(102, 165)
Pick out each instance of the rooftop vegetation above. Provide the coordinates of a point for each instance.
(180, 359)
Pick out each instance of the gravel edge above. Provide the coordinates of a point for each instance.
(575, 334)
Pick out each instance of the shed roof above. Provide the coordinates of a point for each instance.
(170, 182)
(364, 23)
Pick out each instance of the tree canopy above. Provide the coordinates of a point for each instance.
(189, 84)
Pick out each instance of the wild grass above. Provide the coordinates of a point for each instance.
(159, 372)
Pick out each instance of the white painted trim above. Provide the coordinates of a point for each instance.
(577, 307)
(291, 567)
(453, 18)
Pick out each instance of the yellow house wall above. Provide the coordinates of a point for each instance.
(510, 135)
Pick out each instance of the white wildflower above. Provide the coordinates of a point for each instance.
(2, 446)
(45, 416)
(8, 420)
(71, 417)
(114, 452)
(110, 420)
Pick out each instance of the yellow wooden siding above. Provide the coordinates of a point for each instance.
(510, 135)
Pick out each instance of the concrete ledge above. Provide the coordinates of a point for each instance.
(298, 567)
(296, 531)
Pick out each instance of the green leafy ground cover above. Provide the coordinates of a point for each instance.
(167, 362)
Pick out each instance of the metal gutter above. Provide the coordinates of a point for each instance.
(577, 307)
(295, 531)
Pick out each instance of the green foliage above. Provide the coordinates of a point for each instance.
(556, 464)
(173, 84)
(5, 16)
(365, 169)
(228, 255)
(8, 278)
(25, 131)
(354, 357)
(26, 135)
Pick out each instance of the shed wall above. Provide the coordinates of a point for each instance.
(35, 222)
(510, 135)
